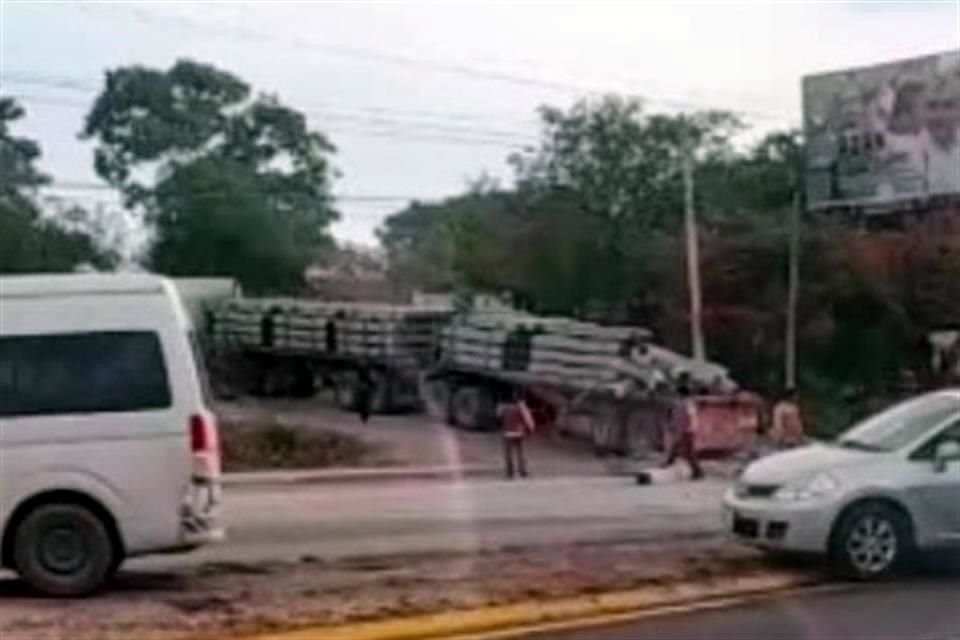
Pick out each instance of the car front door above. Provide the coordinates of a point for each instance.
(933, 490)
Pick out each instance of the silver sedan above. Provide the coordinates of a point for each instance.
(884, 489)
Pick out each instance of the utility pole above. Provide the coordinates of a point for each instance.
(693, 257)
(793, 287)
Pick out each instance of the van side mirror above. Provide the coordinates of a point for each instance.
(946, 451)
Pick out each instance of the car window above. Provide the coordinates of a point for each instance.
(82, 373)
(927, 450)
(900, 425)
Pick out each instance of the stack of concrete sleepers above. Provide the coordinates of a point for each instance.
(672, 366)
(402, 336)
(560, 351)
(543, 350)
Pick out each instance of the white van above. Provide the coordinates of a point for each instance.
(107, 448)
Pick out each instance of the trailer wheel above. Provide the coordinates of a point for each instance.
(382, 401)
(345, 386)
(473, 407)
(602, 436)
(435, 395)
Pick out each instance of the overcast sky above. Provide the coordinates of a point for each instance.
(420, 97)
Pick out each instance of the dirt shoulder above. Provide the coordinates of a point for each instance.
(214, 600)
(406, 440)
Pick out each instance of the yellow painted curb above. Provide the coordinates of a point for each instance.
(477, 622)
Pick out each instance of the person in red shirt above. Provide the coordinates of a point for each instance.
(517, 423)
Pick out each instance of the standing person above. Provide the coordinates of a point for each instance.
(364, 394)
(517, 423)
(787, 426)
(683, 426)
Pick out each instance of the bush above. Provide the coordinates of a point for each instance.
(272, 445)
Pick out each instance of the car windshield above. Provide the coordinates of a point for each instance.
(900, 425)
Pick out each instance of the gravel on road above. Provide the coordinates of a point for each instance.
(214, 600)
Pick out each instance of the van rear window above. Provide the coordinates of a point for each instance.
(97, 372)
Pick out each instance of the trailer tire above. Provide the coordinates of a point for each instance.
(345, 385)
(382, 400)
(473, 407)
(435, 395)
(602, 436)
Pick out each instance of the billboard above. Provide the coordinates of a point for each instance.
(883, 135)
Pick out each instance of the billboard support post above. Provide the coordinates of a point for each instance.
(793, 287)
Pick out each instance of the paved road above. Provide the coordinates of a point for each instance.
(926, 609)
(328, 521)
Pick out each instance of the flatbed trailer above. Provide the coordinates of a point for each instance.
(295, 347)
(589, 379)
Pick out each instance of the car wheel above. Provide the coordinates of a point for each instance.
(64, 550)
(871, 541)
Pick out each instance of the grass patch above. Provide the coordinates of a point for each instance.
(272, 445)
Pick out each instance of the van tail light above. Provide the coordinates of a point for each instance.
(205, 445)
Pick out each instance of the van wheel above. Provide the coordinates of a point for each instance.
(64, 550)
(871, 541)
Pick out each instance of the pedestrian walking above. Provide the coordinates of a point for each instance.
(786, 429)
(517, 424)
(684, 418)
(363, 394)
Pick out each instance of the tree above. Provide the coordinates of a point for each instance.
(450, 244)
(755, 183)
(230, 184)
(584, 229)
(29, 241)
(621, 163)
(622, 169)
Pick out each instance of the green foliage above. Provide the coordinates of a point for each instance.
(251, 446)
(29, 241)
(622, 164)
(231, 185)
(583, 231)
(758, 182)
(17, 155)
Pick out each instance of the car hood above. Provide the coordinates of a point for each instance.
(787, 466)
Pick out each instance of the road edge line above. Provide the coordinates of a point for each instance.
(352, 475)
(568, 611)
(707, 604)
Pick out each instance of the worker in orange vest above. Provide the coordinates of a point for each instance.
(517, 424)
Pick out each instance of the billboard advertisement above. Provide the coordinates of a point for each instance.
(882, 135)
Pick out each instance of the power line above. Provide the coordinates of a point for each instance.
(83, 185)
(448, 118)
(427, 64)
(89, 200)
(352, 125)
(58, 82)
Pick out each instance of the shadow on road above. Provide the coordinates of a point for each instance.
(924, 566)
(126, 582)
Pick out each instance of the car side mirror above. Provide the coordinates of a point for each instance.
(946, 451)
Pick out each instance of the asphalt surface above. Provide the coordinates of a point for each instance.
(919, 609)
(329, 521)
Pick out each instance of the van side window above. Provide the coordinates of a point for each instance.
(97, 372)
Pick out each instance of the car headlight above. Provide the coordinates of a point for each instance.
(812, 487)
